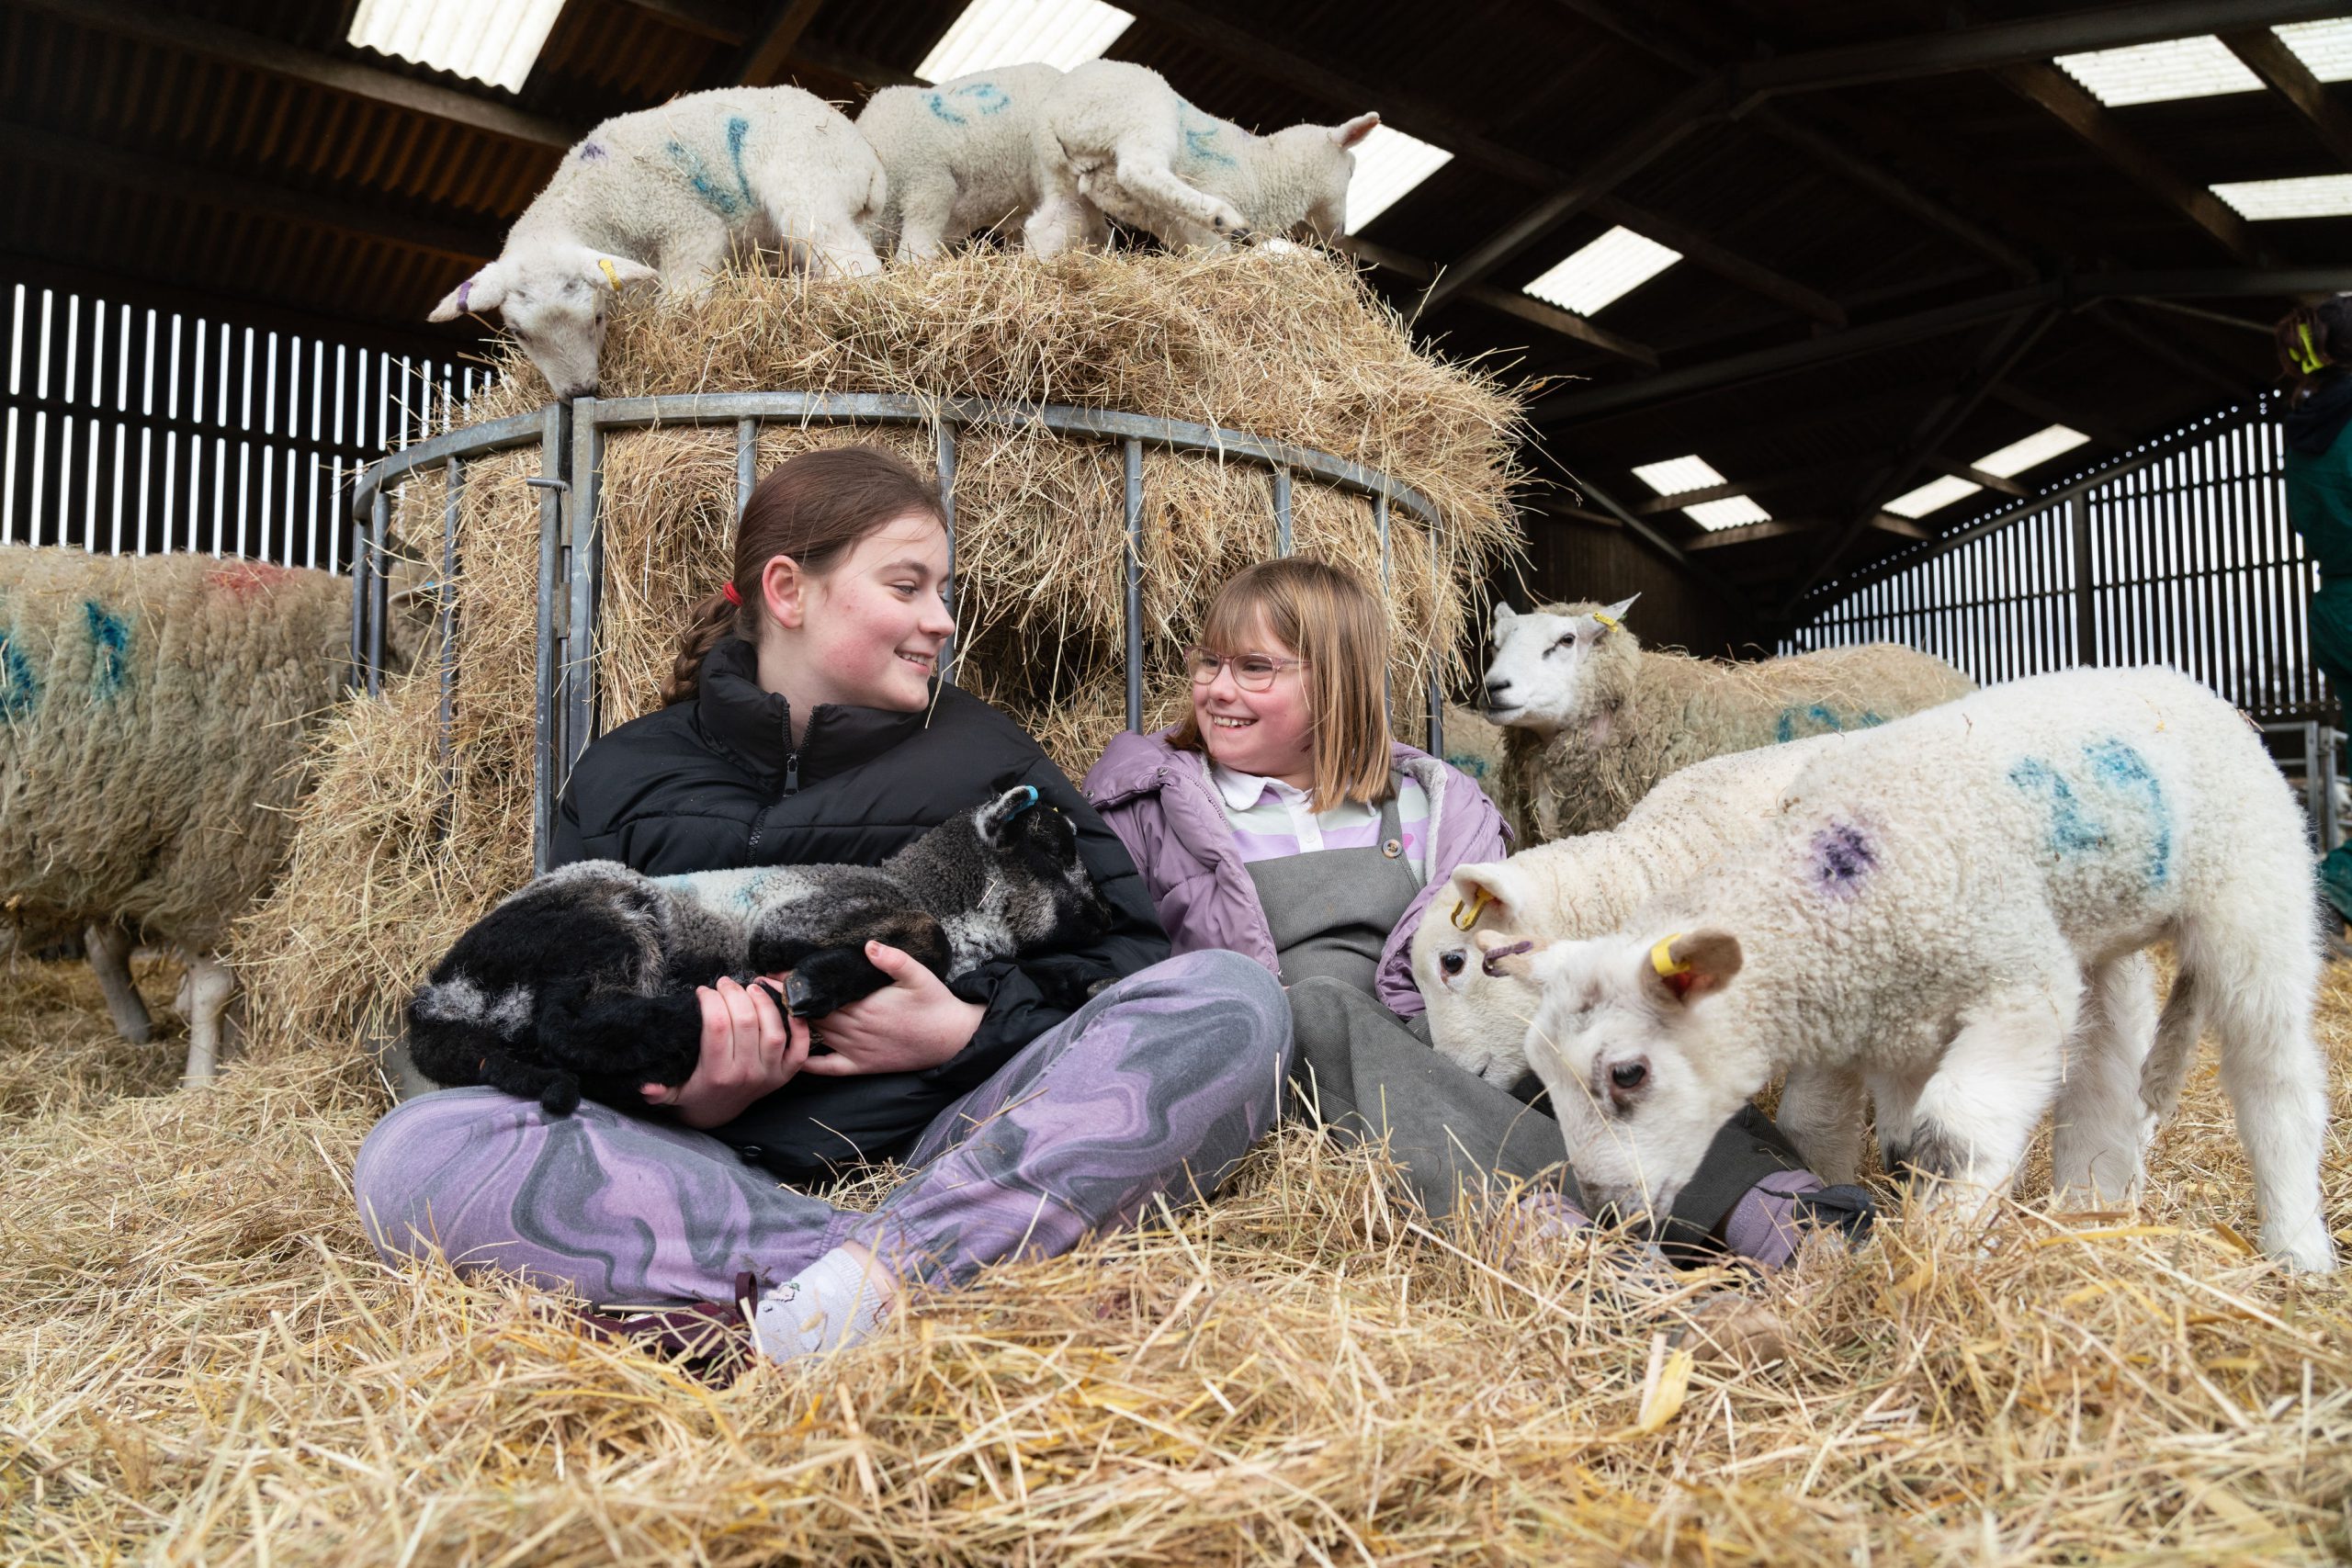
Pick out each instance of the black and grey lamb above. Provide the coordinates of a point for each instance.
(584, 981)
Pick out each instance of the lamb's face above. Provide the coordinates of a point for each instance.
(1323, 159)
(555, 300)
(1538, 675)
(1037, 880)
(1478, 1016)
(1620, 1041)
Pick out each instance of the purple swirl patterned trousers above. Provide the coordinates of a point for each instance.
(1158, 1086)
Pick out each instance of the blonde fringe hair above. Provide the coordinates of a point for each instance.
(1325, 616)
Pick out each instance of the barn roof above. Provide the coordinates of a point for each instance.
(1908, 238)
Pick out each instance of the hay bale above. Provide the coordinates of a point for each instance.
(1293, 348)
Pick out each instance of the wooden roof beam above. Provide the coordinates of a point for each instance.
(2083, 114)
(771, 43)
(1954, 469)
(171, 30)
(2269, 58)
(1749, 532)
(2034, 405)
(1566, 324)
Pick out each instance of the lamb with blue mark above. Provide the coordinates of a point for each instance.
(1940, 905)
(583, 982)
(963, 158)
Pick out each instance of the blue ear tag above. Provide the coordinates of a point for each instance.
(1030, 790)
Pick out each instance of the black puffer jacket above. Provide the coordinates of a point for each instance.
(714, 783)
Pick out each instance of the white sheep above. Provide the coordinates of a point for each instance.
(1596, 719)
(1116, 138)
(1926, 912)
(154, 713)
(671, 193)
(962, 159)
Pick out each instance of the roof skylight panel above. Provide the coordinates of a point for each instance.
(1677, 475)
(1061, 33)
(1730, 512)
(490, 41)
(1388, 164)
(1610, 268)
(2324, 48)
(2031, 452)
(2313, 196)
(1935, 494)
(2157, 73)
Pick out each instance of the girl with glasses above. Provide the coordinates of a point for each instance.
(1281, 820)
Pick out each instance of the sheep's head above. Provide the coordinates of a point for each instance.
(1322, 160)
(1639, 1081)
(1541, 675)
(555, 299)
(1036, 879)
(1478, 1016)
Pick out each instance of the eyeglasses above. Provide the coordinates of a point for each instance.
(1252, 671)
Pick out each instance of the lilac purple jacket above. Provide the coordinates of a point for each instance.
(1159, 802)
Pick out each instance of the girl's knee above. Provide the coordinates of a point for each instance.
(1218, 972)
(430, 1154)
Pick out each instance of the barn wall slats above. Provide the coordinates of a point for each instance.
(135, 429)
(2181, 556)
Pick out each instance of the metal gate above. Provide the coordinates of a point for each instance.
(2179, 553)
(570, 437)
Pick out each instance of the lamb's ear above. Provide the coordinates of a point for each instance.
(485, 290)
(1505, 955)
(1355, 131)
(1484, 893)
(1504, 614)
(995, 819)
(1617, 611)
(623, 274)
(1685, 965)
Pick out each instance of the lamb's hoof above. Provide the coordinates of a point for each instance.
(803, 999)
(559, 1098)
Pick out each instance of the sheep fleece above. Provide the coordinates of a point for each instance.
(153, 718)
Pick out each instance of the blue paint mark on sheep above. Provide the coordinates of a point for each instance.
(593, 153)
(1819, 719)
(2071, 831)
(1200, 136)
(981, 97)
(2120, 766)
(109, 648)
(1842, 857)
(20, 682)
(718, 198)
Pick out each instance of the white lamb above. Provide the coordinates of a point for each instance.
(1595, 719)
(1926, 911)
(1116, 138)
(962, 158)
(669, 193)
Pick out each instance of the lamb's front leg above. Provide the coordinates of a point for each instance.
(1821, 1110)
(108, 945)
(1145, 173)
(1980, 1106)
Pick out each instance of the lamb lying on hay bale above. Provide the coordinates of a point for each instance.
(1595, 719)
(155, 717)
(1294, 348)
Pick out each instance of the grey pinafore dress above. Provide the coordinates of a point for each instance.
(1364, 1072)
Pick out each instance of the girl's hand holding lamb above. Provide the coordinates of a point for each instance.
(914, 1022)
(751, 1048)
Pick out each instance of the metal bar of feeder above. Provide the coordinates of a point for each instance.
(379, 516)
(579, 641)
(554, 452)
(1437, 685)
(1380, 527)
(943, 437)
(1282, 509)
(747, 462)
(1133, 453)
(357, 680)
(474, 441)
(452, 501)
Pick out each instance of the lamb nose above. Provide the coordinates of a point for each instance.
(1496, 688)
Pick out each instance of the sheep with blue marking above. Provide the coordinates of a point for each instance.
(584, 980)
(154, 717)
(962, 159)
(1594, 719)
(669, 193)
(1116, 139)
(1930, 911)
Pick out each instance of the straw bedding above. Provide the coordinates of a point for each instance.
(388, 863)
(205, 1363)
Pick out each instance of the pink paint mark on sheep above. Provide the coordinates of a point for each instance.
(246, 580)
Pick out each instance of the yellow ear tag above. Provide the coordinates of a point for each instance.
(612, 275)
(1662, 958)
(1606, 619)
(1478, 901)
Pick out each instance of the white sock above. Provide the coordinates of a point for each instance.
(828, 1305)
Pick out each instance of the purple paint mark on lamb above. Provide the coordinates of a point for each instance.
(593, 153)
(1842, 857)
(463, 289)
